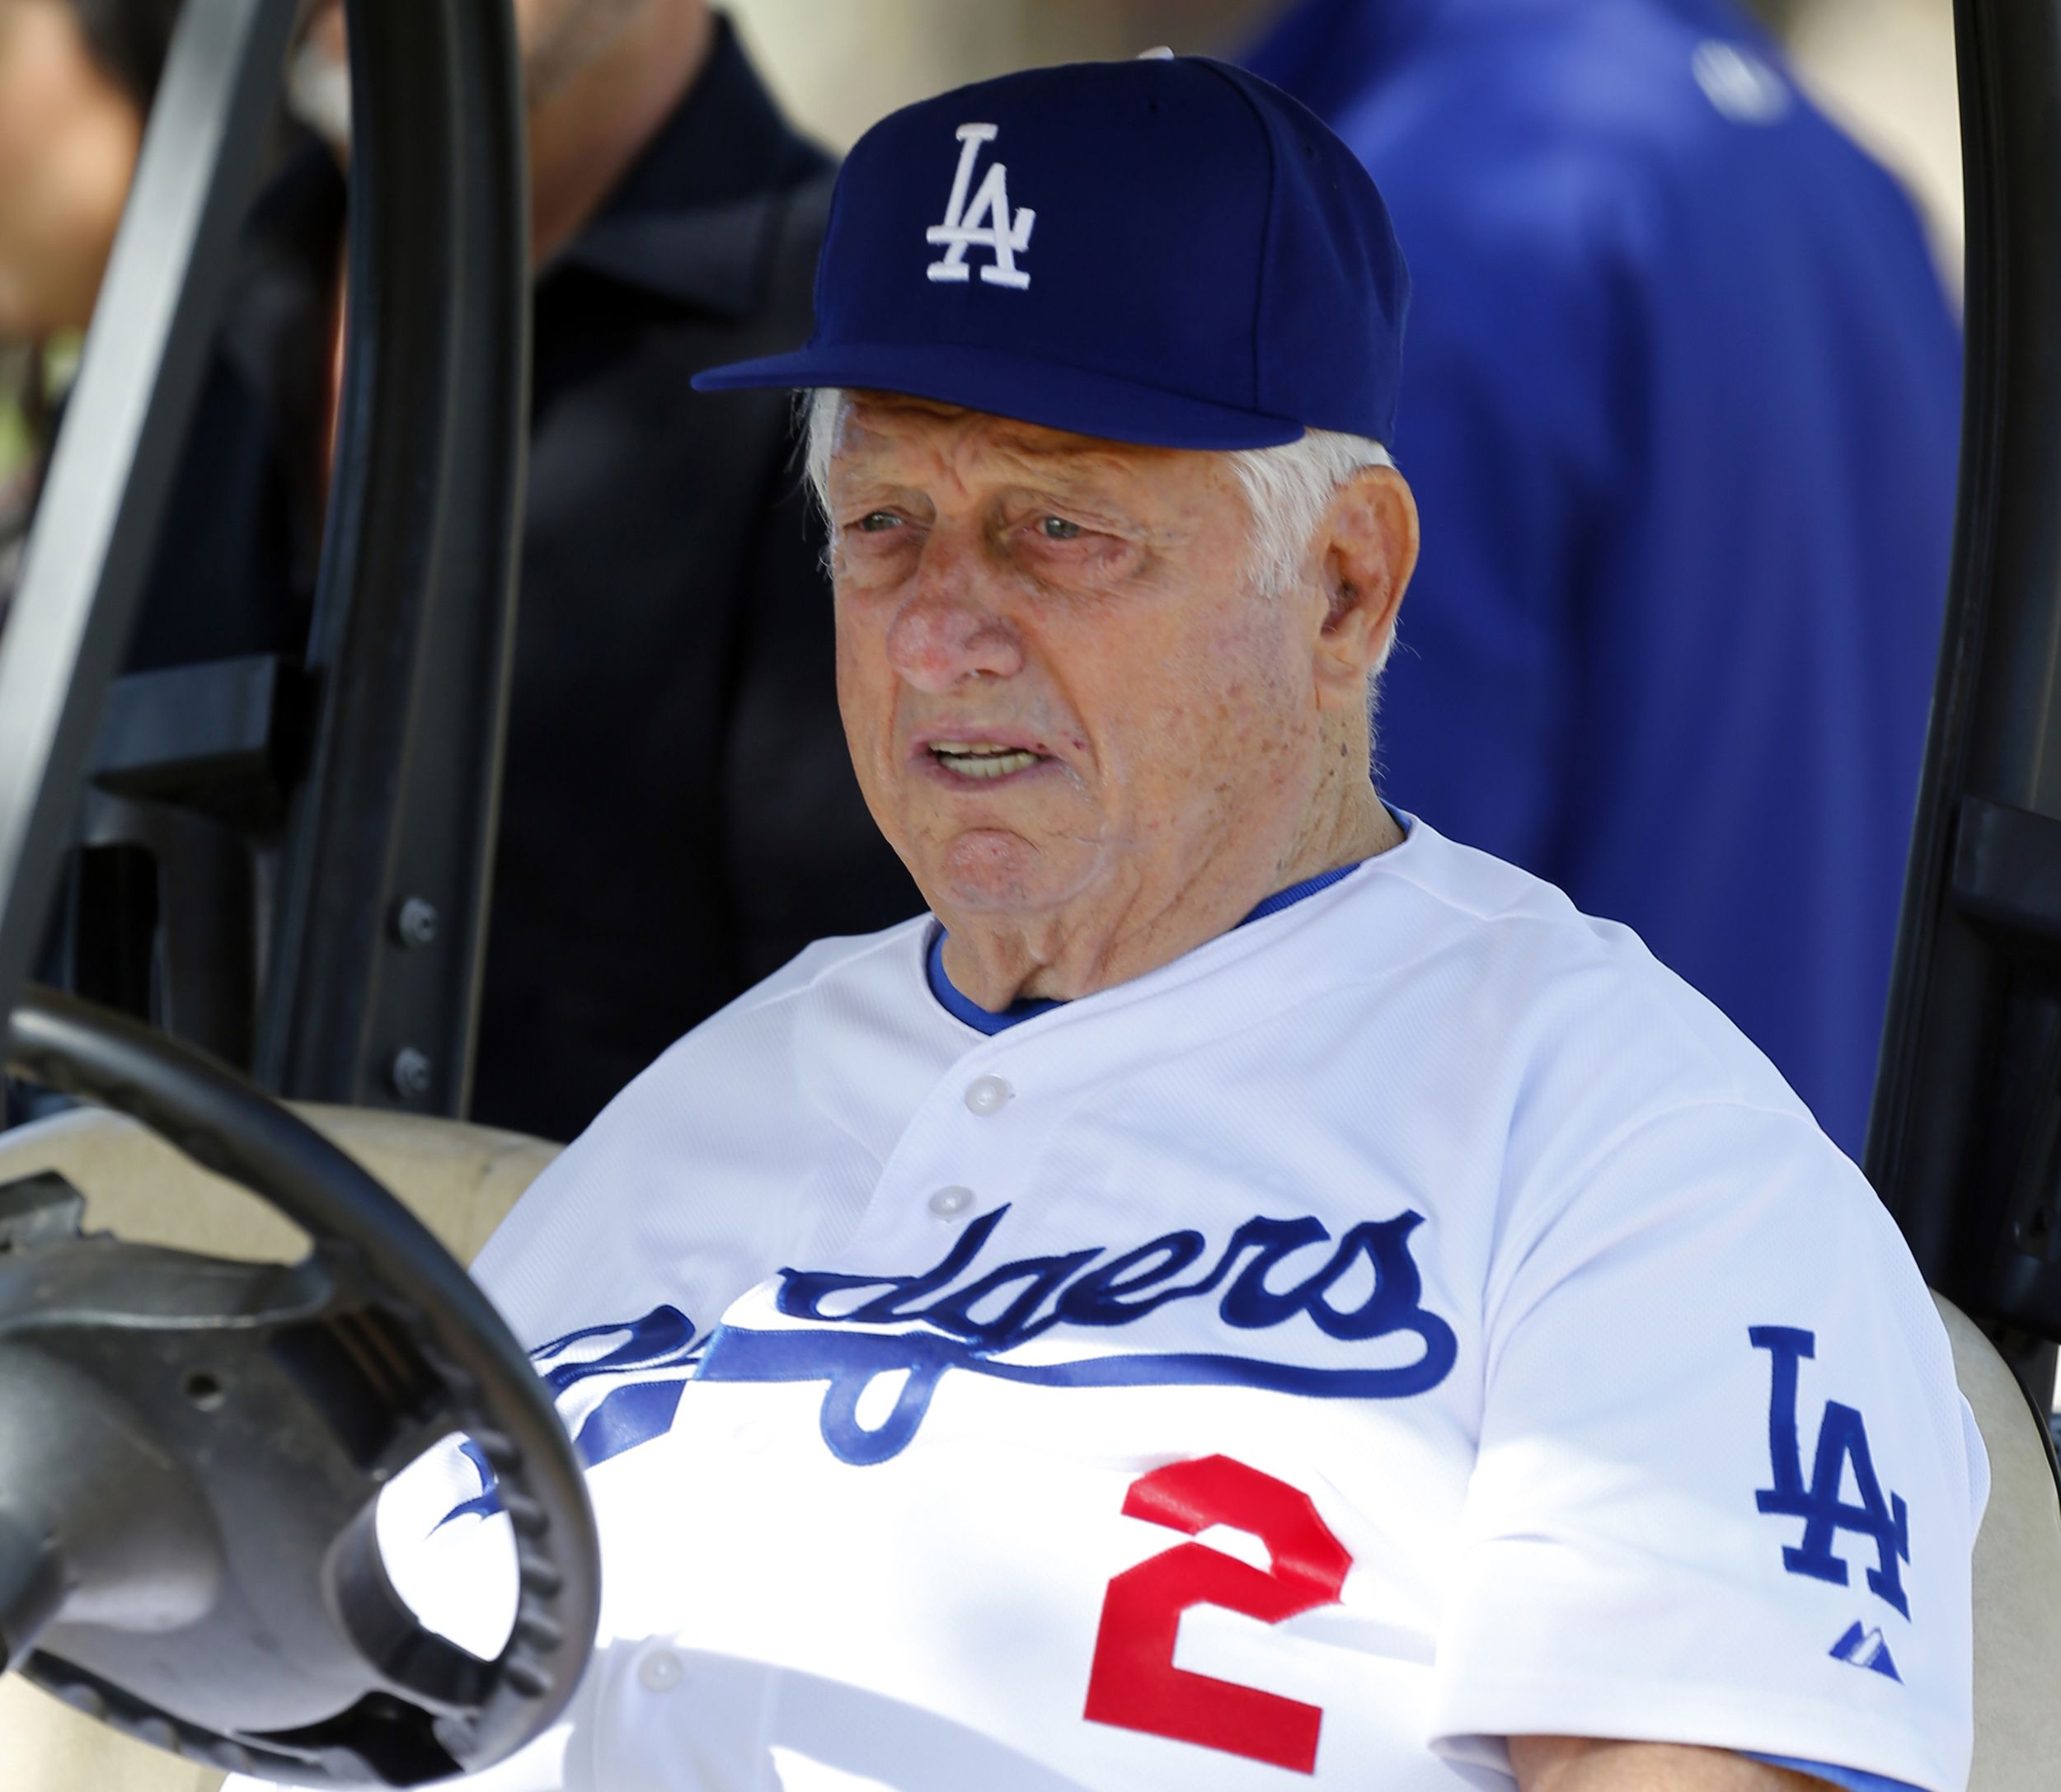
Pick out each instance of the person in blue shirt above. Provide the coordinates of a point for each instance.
(1681, 406)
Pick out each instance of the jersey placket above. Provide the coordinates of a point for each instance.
(970, 1148)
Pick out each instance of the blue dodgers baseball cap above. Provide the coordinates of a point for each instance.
(1169, 251)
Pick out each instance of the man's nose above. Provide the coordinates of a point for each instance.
(948, 631)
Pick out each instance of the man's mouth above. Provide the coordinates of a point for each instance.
(982, 758)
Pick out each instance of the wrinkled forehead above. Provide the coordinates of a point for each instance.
(888, 435)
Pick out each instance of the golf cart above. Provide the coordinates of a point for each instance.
(192, 1441)
(197, 1412)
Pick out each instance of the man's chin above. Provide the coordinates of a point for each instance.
(992, 871)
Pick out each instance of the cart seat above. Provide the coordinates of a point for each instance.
(2017, 1575)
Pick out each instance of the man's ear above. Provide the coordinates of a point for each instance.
(1369, 551)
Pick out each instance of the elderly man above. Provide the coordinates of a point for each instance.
(1249, 1291)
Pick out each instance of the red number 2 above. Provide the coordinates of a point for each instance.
(1135, 1684)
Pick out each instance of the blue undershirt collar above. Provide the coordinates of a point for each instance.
(1851, 1779)
(988, 1021)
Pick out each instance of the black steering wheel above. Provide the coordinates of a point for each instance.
(191, 1450)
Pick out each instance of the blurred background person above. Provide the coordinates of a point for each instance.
(76, 80)
(1682, 399)
(679, 815)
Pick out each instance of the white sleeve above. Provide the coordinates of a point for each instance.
(1727, 1487)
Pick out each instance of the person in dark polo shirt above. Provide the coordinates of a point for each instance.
(678, 814)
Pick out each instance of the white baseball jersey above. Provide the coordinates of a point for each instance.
(1412, 1319)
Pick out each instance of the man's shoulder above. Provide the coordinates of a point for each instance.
(881, 959)
(861, 975)
(1450, 899)
(1648, 75)
(1606, 122)
(1551, 992)
(846, 1003)
(1620, 1099)
(730, 1132)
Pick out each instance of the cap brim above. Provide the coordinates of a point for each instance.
(1019, 386)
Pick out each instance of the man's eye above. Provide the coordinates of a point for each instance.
(874, 521)
(1059, 529)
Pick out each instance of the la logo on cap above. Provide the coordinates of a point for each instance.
(987, 222)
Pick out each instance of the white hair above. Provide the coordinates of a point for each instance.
(1287, 488)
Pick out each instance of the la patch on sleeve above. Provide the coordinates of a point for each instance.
(1839, 1456)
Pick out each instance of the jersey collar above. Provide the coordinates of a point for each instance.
(991, 1021)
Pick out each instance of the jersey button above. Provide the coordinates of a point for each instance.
(986, 1095)
(660, 1670)
(949, 1204)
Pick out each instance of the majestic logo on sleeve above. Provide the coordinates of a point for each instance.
(1840, 1458)
(959, 1314)
(985, 222)
(1865, 1649)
